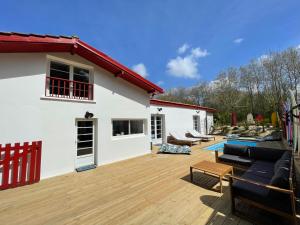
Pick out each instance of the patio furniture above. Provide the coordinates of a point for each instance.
(196, 134)
(180, 138)
(274, 136)
(268, 179)
(174, 149)
(232, 136)
(211, 168)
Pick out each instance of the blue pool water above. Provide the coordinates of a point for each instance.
(220, 146)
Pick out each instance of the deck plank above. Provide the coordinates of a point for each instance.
(151, 189)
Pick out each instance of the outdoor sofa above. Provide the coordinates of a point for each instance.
(267, 182)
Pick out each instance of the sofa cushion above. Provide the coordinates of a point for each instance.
(251, 191)
(235, 159)
(260, 194)
(239, 150)
(287, 155)
(281, 178)
(281, 163)
(175, 149)
(265, 154)
(262, 169)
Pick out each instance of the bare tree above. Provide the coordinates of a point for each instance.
(258, 87)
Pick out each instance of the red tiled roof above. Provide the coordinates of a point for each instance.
(180, 105)
(19, 42)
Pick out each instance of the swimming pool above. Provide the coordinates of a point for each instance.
(220, 146)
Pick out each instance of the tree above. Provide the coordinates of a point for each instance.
(260, 87)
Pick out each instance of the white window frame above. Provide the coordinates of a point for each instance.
(129, 134)
(197, 119)
(71, 64)
(93, 140)
(155, 116)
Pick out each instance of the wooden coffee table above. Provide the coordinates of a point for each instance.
(213, 169)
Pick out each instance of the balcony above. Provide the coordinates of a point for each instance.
(68, 89)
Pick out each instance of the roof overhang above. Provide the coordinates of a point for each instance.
(21, 43)
(180, 105)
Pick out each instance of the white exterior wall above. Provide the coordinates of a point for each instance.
(181, 119)
(26, 116)
(210, 121)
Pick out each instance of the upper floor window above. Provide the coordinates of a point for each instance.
(68, 81)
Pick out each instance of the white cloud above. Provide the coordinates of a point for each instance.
(198, 52)
(183, 48)
(140, 69)
(238, 40)
(186, 66)
(298, 47)
(160, 82)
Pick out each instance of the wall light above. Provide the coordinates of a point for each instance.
(88, 115)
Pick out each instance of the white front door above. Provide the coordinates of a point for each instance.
(156, 129)
(85, 146)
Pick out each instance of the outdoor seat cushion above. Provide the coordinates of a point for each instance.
(281, 178)
(238, 150)
(176, 149)
(263, 169)
(265, 154)
(287, 155)
(235, 159)
(282, 163)
(260, 194)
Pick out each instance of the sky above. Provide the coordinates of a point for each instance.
(172, 43)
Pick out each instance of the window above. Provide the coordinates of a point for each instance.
(196, 122)
(85, 137)
(127, 127)
(58, 74)
(68, 81)
(156, 127)
(152, 127)
(82, 78)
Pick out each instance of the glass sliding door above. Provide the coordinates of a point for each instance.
(156, 129)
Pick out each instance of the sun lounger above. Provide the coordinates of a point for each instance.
(196, 134)
(179, 137)
(232, 136)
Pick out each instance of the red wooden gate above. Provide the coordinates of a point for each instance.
(20, 164)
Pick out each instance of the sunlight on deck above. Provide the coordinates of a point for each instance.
(152, 189)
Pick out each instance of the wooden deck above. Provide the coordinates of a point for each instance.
(152, 189)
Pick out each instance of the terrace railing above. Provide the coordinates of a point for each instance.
(63, 88)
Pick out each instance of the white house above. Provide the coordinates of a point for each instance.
(169, 116)
(85, 107)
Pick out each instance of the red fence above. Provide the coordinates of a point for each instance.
(20, 164)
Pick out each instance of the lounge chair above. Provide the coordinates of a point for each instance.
(179, 137)
(232, 136)
(196, 134)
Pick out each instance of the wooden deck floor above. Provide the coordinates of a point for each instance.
(152, 189)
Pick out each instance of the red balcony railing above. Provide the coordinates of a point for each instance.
(63, 88)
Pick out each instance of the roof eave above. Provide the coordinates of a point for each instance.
(17, 42)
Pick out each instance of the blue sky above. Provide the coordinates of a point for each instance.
(147, 35)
